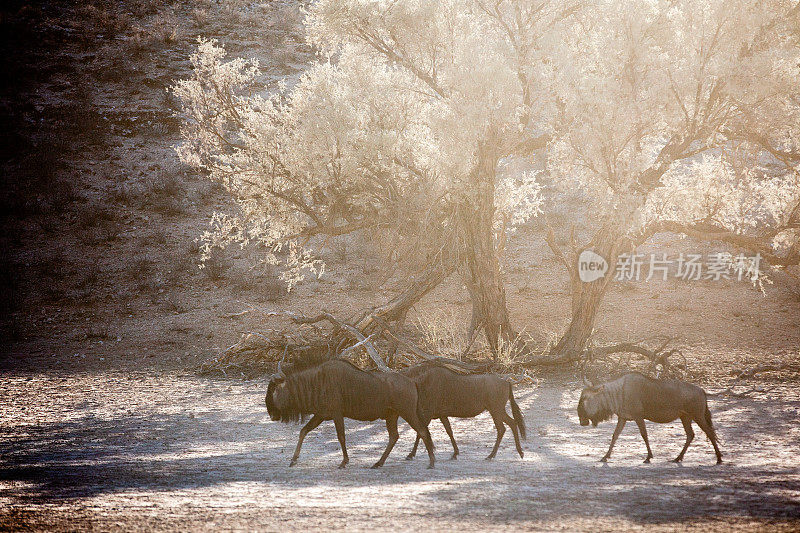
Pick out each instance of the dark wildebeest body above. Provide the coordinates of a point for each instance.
(637, 397)
(335, 389)
(444, 393)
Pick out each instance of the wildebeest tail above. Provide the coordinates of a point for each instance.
(516, 413)
(420, 417)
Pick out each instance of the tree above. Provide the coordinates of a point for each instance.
(667, 115)
(403, 129)
(682, 117)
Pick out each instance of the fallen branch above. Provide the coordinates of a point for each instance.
(373, 353)
(347, 351)
(338, 325)
(744, 394)
(747, 374)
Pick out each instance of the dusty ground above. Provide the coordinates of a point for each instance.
(174, 452)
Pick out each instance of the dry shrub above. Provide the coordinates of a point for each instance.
(98, 224)
(181, 267)
(272, 289)
(510, 353)
(216, 266)
(161, 29)
(172, 304)
(260, 281)
(442, 333)
(120, 193)
(163, 192)
(99, 331)
(340, 250)
(193, 248)
(52, 265)
(142, 271)
(200, 17)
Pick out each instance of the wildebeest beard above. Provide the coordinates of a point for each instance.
(601, 416)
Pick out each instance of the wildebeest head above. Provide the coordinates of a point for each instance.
(280, 401)
(272, 400)
(591, 407)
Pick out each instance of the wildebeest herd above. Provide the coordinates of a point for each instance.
(335, 389)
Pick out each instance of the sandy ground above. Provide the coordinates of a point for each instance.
(176, 452)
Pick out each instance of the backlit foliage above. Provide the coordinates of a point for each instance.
(659, 110)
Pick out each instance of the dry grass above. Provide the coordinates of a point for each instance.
(442, 333)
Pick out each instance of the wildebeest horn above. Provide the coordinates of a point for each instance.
(587, 382)
(279, 373)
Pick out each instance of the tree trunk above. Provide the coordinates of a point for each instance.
(473, 251)
(481, 262)
(587, 296)
(586, 299)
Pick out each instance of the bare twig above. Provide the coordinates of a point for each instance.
(347, 351)
(794, 366)
(371, 350)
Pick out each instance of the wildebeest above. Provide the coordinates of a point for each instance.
(444, 393)
(335, 389)
(637, 397)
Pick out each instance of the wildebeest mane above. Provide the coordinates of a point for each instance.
(304, 360)
(310, 387)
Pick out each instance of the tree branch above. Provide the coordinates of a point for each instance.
(714, 233)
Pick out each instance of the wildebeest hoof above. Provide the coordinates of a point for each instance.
(409, 457)
(647, 461)
(677, 460)
(454, 457)
(719, 461)
(490, 458)
(377, 465)
(521, 455)
(604, 460)
(430, 466)
(343, 464)
(293, 462)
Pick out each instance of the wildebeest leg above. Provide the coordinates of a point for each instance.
(426, 438)
(413, 451)
(643, 431)
(391, 427)
(708, 429)
(501, 430)
(617, 431)
(513, 425)
(446, 423)
(313, 423)
(339, 423)
(687, 426)
(422, 430)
